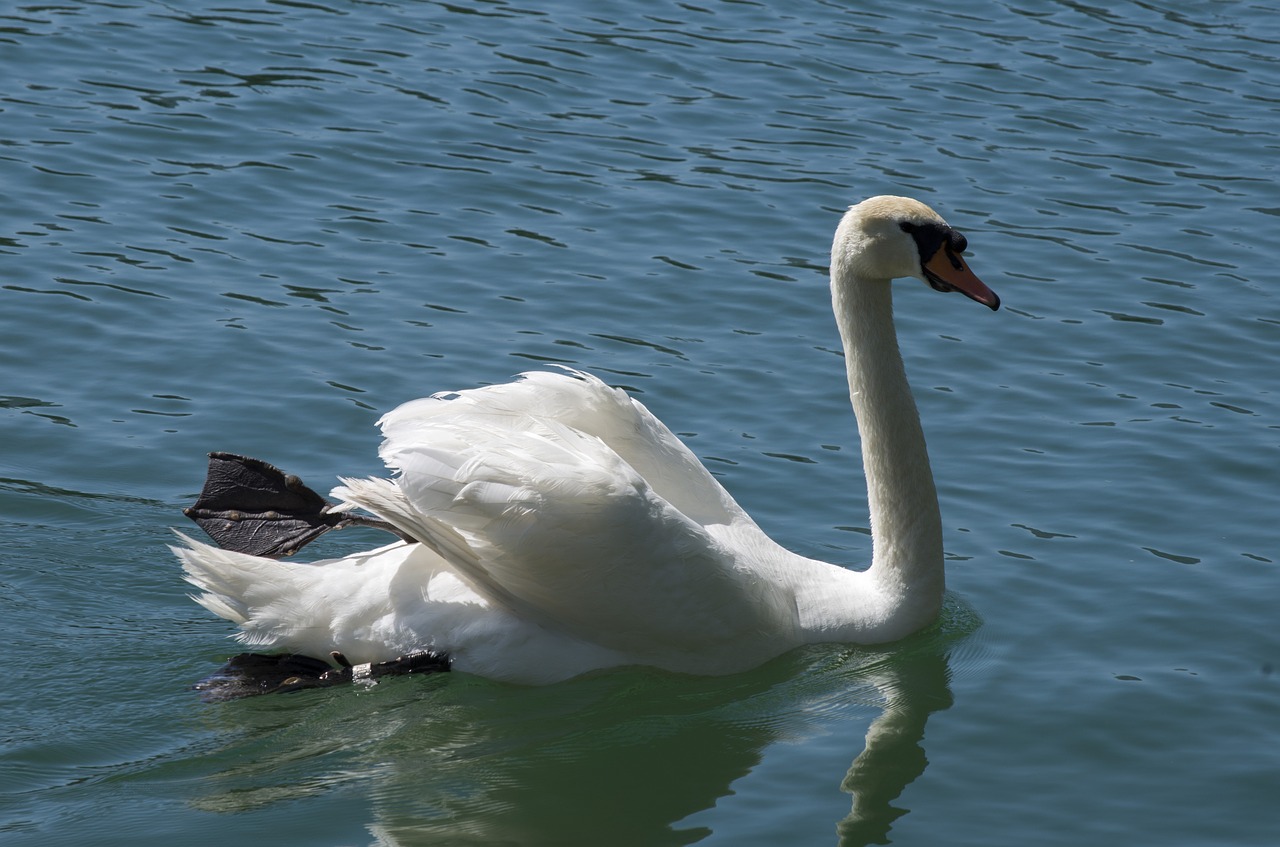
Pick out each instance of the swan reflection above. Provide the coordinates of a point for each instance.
(631, 756)
(893, 757)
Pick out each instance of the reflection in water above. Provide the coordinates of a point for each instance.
(625, 757)
(914, 687)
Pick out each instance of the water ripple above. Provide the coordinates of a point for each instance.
(255, 227)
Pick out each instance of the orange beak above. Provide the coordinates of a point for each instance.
(946, 271)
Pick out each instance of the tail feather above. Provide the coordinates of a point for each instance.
(225, 578)
(310, 608)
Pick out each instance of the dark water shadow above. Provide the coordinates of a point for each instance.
(625, 757)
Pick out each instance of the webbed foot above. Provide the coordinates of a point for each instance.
(250, 674)
(250, 506)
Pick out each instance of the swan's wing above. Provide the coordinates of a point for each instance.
(582, 402)
(553, 523)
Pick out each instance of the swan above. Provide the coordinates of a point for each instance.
(552, 525)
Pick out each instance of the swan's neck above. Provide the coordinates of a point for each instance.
(906, 527)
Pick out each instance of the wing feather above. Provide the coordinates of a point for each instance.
(558, 523)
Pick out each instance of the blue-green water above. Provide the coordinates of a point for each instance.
(252, 227)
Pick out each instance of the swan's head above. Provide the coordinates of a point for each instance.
(886, 238)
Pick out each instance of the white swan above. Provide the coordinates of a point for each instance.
(558, 527)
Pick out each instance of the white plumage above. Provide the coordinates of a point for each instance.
(562, 528)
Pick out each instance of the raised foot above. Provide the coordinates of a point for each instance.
(250, 506)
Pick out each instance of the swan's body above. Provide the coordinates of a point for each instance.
(559, 527)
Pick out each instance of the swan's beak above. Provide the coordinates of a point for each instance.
(947, 271)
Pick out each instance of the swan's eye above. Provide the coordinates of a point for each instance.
(929, 237)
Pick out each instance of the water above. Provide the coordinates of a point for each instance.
(253, 227)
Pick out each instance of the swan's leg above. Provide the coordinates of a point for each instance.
(250, 506)
(249, 674)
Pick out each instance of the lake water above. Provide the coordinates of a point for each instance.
(254, 226)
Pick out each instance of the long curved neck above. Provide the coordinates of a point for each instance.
(906, 527)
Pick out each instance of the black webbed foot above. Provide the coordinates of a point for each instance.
(250, 506)
(251, 674)
(256, 673)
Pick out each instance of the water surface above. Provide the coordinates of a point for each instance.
(255, 227)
